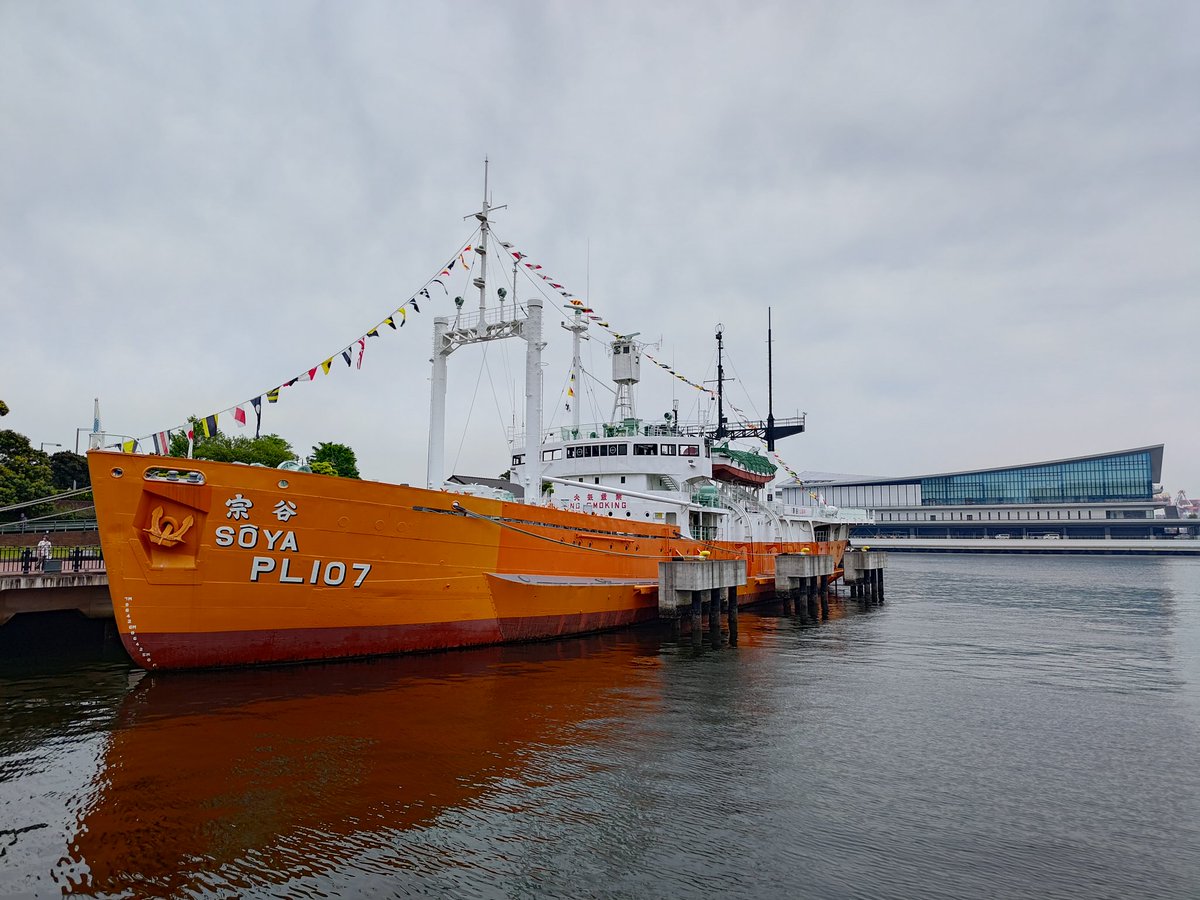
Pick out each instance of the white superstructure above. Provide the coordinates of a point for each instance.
(626, 468)
(659, 471)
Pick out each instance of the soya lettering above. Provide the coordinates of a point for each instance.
(249, 536)
(286, 570)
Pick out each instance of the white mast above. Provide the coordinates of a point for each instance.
(533, 400)
(578, 328)
(488, 327)
(435, 459)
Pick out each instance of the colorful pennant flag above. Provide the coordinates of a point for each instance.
(239, 416)
(273, 395)
(326, 365)
(162, 443)
(208, 426)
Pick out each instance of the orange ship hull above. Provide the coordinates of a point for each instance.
(247, 565)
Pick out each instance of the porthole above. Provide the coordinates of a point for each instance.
(283, 483)
(118, 472)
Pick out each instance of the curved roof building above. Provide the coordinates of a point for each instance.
(1102, 495)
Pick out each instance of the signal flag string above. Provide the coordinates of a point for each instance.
(352, 354)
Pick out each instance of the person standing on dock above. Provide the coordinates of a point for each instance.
(43, 551)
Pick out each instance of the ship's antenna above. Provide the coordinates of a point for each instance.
(720, 433)
(578, 328)
(482, 216)
(770, 390)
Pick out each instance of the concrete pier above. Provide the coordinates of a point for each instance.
(863, 571)
(693, 583)
(799, 577)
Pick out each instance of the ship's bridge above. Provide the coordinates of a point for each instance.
(634, 454)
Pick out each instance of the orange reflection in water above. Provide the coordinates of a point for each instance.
(217, 780)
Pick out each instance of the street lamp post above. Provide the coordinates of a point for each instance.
(46, 444)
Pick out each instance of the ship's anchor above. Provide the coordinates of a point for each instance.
(165, 531)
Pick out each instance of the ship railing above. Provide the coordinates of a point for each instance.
(836, 513)
(494, 315)
(848, 514)
(593, 431)
(743, 496)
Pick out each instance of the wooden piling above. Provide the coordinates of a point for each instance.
(733, 615)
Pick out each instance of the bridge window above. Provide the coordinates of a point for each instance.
(645, 449)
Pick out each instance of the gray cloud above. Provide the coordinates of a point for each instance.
(976, 226)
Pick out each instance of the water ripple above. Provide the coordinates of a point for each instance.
(1000, 728)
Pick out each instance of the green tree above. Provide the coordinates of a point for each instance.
(321, 467)
(339, 456)
(24, 473)
(3, 408)
(267, 450)
(69, 470)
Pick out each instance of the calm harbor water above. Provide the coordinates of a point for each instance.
(1002, 727)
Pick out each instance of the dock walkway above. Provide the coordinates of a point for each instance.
(86, 592)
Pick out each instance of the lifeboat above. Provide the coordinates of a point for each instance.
(743, 467)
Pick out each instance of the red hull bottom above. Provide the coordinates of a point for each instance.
(240, 648)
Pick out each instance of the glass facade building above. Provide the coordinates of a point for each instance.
(1097, 479)
(1101, 496)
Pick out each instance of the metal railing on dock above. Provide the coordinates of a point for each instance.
(24, 560)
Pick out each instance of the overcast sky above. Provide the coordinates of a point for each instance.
(977, 225)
